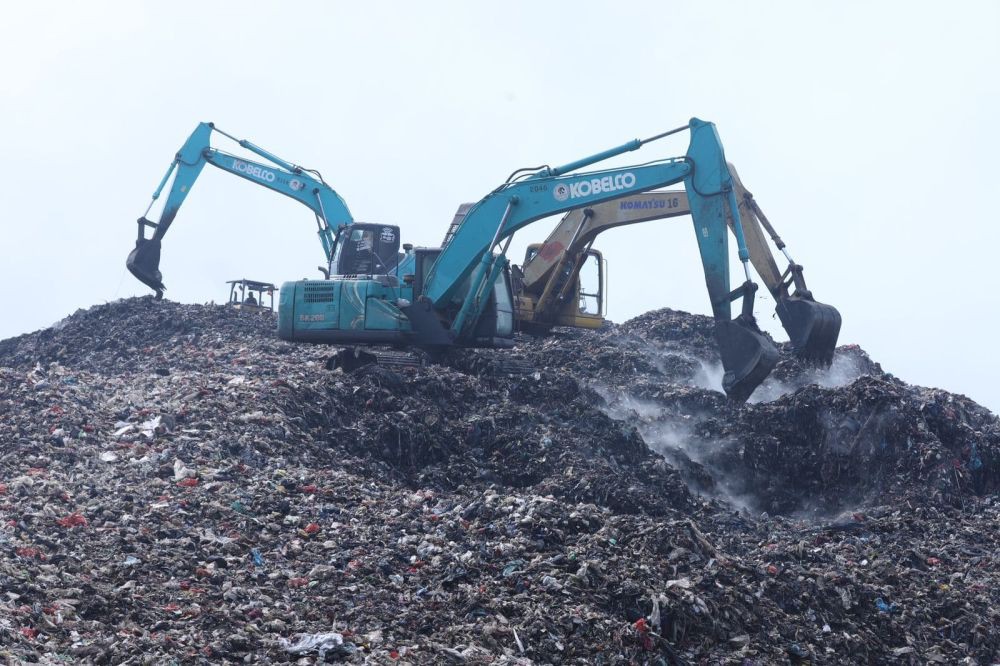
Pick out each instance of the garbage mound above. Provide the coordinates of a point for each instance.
(177, 484)
(874, 438)
(812, 440)
(132, 334)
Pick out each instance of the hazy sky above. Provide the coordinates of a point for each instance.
(868, 132)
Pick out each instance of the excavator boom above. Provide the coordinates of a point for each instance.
(305, 186)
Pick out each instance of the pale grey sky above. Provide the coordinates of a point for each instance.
(867, 131)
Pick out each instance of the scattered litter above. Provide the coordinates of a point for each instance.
(181, 471)
(320, 643)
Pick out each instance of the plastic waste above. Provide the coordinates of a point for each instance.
(884, 607)
(320, 643)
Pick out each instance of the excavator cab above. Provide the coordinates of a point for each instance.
(573, 296)
(366, 249)
(251, 295)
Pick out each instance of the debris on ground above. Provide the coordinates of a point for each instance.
(177, 484)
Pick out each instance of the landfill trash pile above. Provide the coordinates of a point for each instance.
(814, 440)
(178, 484)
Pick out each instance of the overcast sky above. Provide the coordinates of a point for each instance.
(868, 132)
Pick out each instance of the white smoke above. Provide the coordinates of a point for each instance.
(674, 436)
(844, 370)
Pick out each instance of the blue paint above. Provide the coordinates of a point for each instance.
(284, 178)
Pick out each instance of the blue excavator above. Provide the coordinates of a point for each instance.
(460, 294)
(360, 252)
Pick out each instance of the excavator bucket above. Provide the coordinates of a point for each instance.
(748, 356)
(812, 327)
(144, 263)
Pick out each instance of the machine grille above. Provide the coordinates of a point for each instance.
(319, 293)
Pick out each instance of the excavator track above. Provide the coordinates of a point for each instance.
(515, 366)
(353, 358)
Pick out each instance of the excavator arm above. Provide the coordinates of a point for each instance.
(812, 327)
(469, 259)
(305, 186)
(577, 230)
(553, 269)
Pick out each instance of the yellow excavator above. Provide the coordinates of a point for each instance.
(562, 281)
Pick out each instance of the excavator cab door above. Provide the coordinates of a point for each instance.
(591, 286)
(581, 300)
